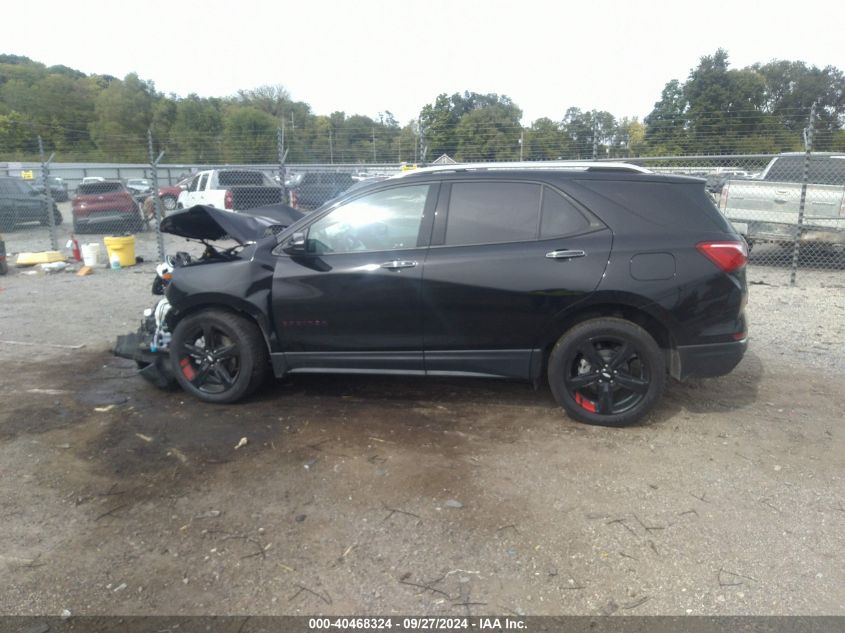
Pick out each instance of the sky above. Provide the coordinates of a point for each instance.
(370, 56)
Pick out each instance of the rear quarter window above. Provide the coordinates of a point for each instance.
(679, 205)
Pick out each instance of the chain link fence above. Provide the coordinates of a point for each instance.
(789, 207)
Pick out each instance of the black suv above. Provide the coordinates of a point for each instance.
(20, 203)
(601, 279)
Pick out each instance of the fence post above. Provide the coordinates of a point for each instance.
(45, 178)
(808, 145)
(283, 154)
(156, 200)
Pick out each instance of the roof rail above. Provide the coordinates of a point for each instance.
(579, 165)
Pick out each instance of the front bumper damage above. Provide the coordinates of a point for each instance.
(154, 367)
(149, 347)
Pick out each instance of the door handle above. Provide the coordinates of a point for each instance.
(397, 264)
(565, 254)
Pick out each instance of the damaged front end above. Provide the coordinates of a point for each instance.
(149, 346)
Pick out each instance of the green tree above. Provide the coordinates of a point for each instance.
(440, 122)
(249, 135)
(589, 133)
(16, 137)
(196, 133)
(489, 133)
(791, 88)
(124, 113)
(545, 140)
(666, 132)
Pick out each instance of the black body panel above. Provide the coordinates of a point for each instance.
(483, 309)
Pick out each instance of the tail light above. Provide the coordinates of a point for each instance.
(294, 199)
(728, 256)
(842, 206)
(723, 198)
(228, 200)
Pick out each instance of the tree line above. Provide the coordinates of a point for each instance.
(762, 108)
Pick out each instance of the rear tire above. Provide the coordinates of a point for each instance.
(607, 371)
(218, 356)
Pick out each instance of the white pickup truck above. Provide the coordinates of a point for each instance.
(234, 189)
(767, 208)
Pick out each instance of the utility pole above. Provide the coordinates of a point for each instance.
(374, 144)
(331, 147)
(521, 143)
(595, 135)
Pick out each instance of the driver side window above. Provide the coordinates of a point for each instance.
(381, 221)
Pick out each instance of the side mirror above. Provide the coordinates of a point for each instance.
(296, 244)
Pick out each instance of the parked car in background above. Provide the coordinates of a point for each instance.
(767, 208)
(20, 203)
(169, 194)
(233, 189)
(58, 188)
(602, 279)
(317, 187)
(139, 187)
(105, 205)
(714, 182)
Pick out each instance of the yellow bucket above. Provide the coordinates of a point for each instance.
(123, 247)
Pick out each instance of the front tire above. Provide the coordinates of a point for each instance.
(607, 371)
(169, 203)
(218, 356)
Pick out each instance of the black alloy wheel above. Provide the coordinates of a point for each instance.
(607, 371)
(218, 356)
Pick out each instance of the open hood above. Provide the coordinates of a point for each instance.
(209, 223)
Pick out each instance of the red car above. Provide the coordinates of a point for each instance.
(170, 193)
(106, 205)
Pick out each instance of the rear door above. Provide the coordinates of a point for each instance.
(506, 258)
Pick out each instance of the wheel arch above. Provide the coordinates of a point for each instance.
(645, 316)
(228, 304)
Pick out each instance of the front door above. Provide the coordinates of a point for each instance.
(352, 301)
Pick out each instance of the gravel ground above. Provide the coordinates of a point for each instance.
(388, 495)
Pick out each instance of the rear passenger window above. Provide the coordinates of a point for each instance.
(490, 212)
(560, 217)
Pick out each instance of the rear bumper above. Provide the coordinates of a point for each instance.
(715, 359)
(111, 216)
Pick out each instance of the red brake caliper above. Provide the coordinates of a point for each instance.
(589, 405)
(187, 369)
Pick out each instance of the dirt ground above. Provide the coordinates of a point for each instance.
(357, 495)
